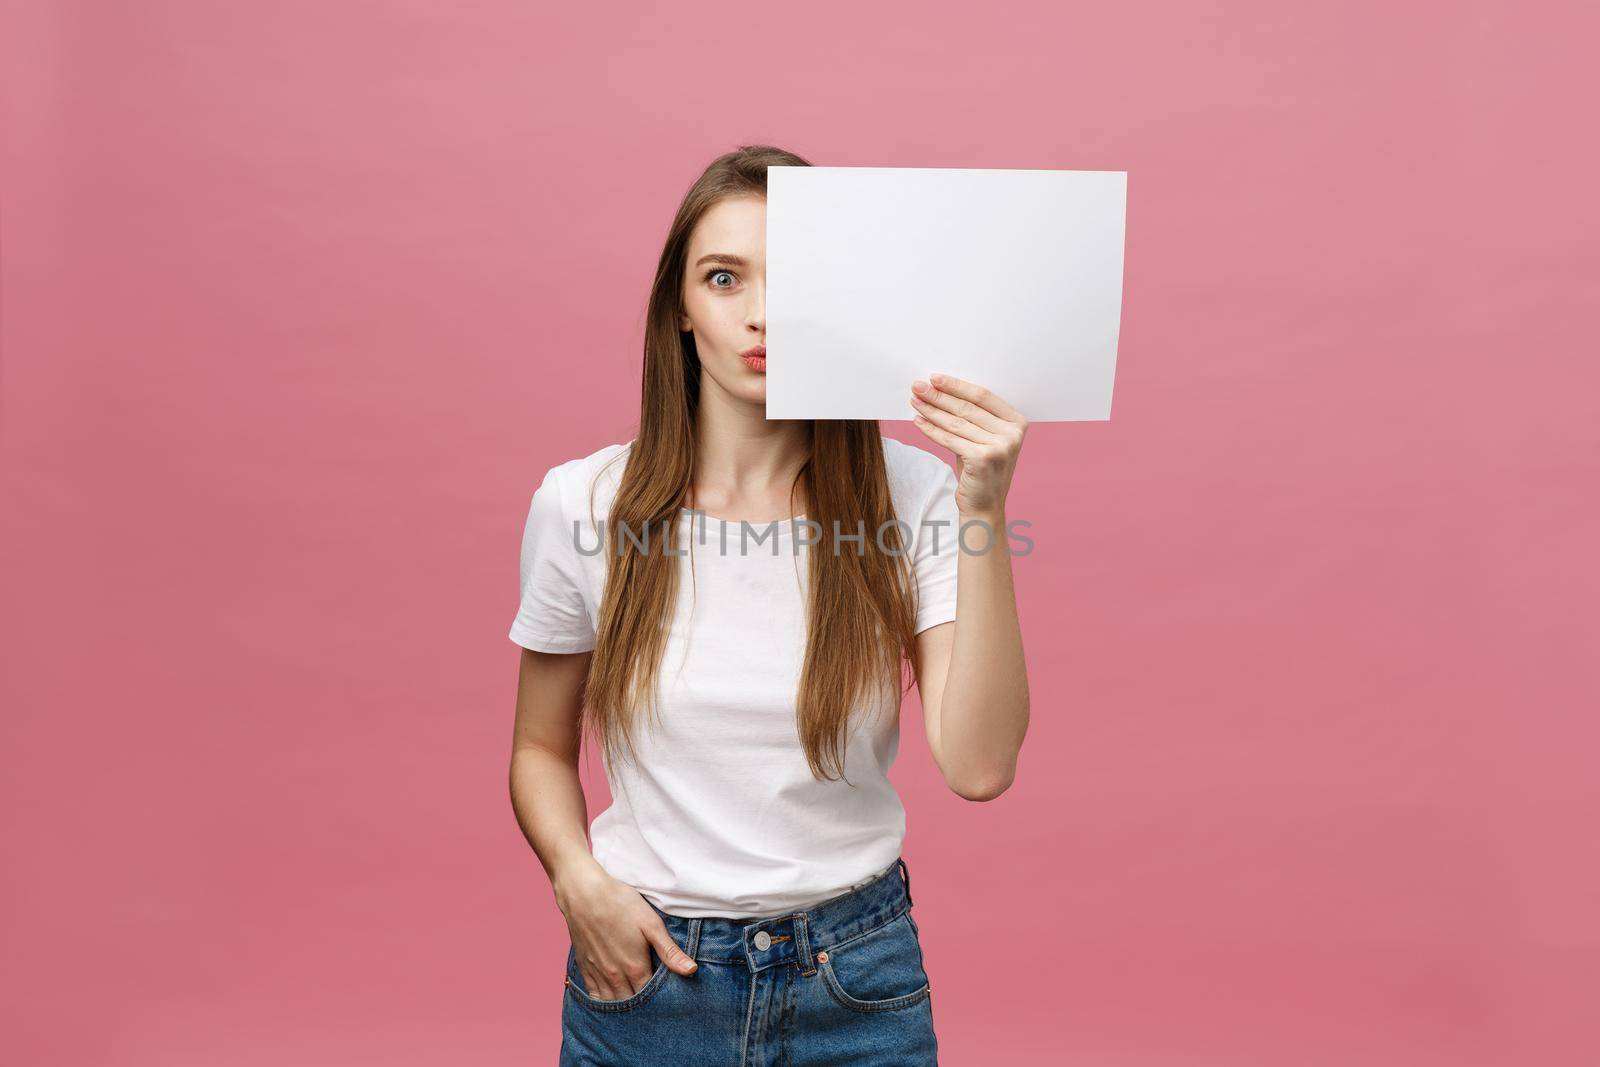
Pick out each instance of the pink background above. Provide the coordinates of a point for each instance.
(302, 298)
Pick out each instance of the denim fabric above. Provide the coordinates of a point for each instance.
(841, 982)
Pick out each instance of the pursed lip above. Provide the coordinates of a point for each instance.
(758, 350)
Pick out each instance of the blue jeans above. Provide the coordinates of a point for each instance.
(841, 982)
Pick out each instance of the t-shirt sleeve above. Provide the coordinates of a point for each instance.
(552, 615)
(937, 552)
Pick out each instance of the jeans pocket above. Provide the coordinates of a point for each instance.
(576, 986)
(880, 970)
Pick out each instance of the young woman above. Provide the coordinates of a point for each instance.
(728, 605)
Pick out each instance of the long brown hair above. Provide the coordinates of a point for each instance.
(860, 618)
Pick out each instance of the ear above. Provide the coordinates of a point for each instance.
(684, 325)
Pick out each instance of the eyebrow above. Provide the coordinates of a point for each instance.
(721, 257)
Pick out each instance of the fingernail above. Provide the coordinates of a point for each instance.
(919, 386)
(938, 379)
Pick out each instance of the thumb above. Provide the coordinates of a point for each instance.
(668, 949)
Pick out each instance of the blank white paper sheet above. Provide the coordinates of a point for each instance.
(877, 276)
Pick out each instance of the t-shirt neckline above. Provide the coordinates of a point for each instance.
(784, 525)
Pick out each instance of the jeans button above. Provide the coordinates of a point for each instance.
(763, 940)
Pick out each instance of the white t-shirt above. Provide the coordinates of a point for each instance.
(720, 814)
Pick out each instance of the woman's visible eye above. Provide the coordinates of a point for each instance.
(714, 273)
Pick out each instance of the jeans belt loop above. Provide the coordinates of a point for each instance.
(808, 966)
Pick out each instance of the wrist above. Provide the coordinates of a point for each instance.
(994, 516)
(573, 876)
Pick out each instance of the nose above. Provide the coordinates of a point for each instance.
(756, 314)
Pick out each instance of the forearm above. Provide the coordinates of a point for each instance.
(547, 797)
(984, 712)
